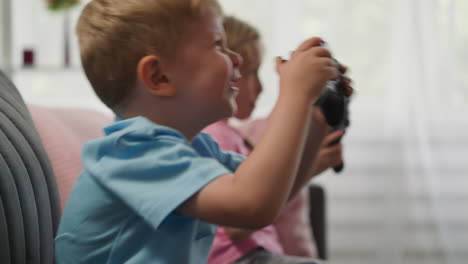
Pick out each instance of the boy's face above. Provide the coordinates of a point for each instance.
(204, 72)
(249, 85)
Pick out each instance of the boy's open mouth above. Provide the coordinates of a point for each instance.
(233, 89)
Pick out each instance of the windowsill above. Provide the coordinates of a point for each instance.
(46, 69)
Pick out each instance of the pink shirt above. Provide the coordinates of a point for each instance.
(224, 250)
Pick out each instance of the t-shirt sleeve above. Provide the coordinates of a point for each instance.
(229, 159)
(224, 139)
(154, 176)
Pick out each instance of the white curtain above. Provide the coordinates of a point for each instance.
(403, 195)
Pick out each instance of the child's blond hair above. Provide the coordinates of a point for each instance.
(242, 38)
(115, 34)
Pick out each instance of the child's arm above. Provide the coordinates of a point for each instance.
(318, 155)
(310, 164)
(318, 131)
(328, 156)
(253, 196)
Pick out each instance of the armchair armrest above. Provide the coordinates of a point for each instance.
(318, 218)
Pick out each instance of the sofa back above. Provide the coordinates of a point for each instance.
(63, 132)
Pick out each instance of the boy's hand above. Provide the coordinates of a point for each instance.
(308, 70)
(329, 155)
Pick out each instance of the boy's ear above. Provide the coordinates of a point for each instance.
(153, 77)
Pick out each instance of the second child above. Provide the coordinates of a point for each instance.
(237, 245)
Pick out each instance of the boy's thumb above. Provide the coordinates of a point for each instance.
(279, 61)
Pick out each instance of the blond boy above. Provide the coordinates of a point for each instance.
(151, 187)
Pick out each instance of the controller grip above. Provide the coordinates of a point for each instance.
(333, 108)
(339, 167)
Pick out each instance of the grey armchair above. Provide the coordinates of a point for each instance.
(29, 200)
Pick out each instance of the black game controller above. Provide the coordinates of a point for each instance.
(334, 105)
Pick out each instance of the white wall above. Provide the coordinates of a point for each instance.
(49, 81)
(5, 30)
(2, 33)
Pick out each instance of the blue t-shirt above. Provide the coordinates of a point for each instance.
(121, 209)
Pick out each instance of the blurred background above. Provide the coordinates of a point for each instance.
(403, 196)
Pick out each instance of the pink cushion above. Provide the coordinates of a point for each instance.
(63, 140)
(87, 124)
(293, 225)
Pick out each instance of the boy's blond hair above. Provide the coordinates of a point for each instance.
(242, 38)
(115, 34)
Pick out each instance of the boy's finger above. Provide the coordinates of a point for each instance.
(343, 68)
(334, 155)
(312, 42)
(318, 52)
(278, 62)
(336, 159)
(331, 72)
(348, 89)
(323, 52)
(334, 151)
(332, 137)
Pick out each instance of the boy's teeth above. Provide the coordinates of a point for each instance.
(235, 89)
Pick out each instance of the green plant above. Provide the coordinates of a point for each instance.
(61, 4)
